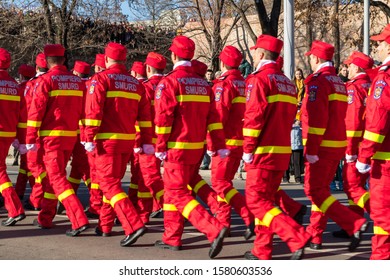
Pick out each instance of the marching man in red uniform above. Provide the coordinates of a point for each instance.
(323, 129)
(374, 152)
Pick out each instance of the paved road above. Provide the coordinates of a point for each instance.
(26, 242)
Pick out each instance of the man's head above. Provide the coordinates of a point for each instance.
(358, 62)
(26, 72)
(267, 48)
(383, 39)
(199, 67)
(81, 69)
(115, 54)
(100, 63)
(230, 58)
(138, 69)
(40, 61)
(55, 55)
(209, 75)
(5, 59)
(182, 48)
(319, 53)
(155, 64)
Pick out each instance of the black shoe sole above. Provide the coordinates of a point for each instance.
(75, 232)
(249, 256)
(216, 246)
(14, 221)
(162, 245)
(357, 237)
(134, 237)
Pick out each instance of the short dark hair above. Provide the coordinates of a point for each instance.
(41, 69)
(55, 59)
(271, 55)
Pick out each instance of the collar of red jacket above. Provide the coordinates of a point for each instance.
(234, 72)
(118, 66)
(58, 67)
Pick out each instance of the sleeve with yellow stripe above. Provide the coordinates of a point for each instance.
(256, 104)
(37, 111)
(94, 105)
(316, 112)
(377, 123)
(145, 118)
(164, 104)
(22, 123)
(215, 127)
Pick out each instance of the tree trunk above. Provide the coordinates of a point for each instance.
(336, 33)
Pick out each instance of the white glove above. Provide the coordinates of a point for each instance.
(247, 157)
(312, 159)
(82, 143)
(137, 150)
(89, 146)
(223, 153)
(15, 144)
(210, 153)
(148, 149)
(161, 155)
(31, 147)
(362, 167)
(22, 149)
(350, 158)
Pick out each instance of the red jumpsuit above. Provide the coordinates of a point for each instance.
(270, 111)
(185, 108)
(353, 181)
(323, 129)
(10, 99)
(229, 91)
(54, 117)
(115, 100)
(376, 146)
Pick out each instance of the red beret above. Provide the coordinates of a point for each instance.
(231, 56)
(5, 59)
(82, 67)
(40, 60)
(54, 50)
(183, 47)
(280, 61)
(199, 67)
(27, 71)
(139, 68)
(100, 60)
(116, 51)
(360, 59)
(321, 49)
(269, 43)
(383, 36)
(156, 60)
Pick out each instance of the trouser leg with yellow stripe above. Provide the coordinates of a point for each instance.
(110, 169)
(37, 168)
(318, 177)
(286, 203)
(134, 179)
(176, 178)
(106, 217)
(95, 194)
(260, 189)
(222, 175)
(353, 185)
(80, 167)
(11, 200)
(380, 212)
(55, 163)
(24, 176)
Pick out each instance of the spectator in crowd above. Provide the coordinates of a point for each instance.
(298, 81)
(245, 68)
(210, 77)
(343, 73)
(297, 151)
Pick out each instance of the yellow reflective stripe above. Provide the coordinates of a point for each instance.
(270, 215)
(54, 93)
(381, 156)
(163, 130)
(230, 195)
(34, 123)
(133, 186)
(4, 186)
(88, 181)
(92, 122)
(304, 142)
(74, 180)
(273, 150)
(67, 133)
(123, 94)
(9, 97)
(193, 98)
(137, 128)
(117, 198)
(105, 200)
(169, 207)
(282, 98)
(327, 203)
(198, 185)
(22, 171)
(40, 177)
(186, 145)
(94, 186)
(351, 203)
(314, 208)
(81, 122)
(214, 126)
(363, 199)
(220, 199)
(316, 130)
(50, 196)
(29, 174)
(7, 134)
(145, 124)
(189, 207)
(258, 222)
(115, 136)
(189, 188)
(354, 133)
(234, 142)
(159, 194)
(65, 194)
(333, 144)
(380, 231)
(374, 137)
(279, 188)
(239, 99)
(337, 97)
(22, 125)
(144, 195)
(251, 132)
